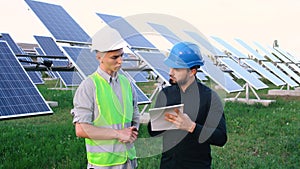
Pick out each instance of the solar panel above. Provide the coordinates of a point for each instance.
(138, 76)
(201, 76)
(60, 24)
(19, 97)
(250, 79)
(265, 73)
(267, 53)
(15, 48)
(256, 75)
(86, 63)
(251, 50)
(48, 46)
(69, 78)
(35, 76)
(287, 55)
(295, 67)
(219, 77)
(279, 55)
(289, 72)
(165, 32)
(280, 74)
(204, 42)
(39, 51)
(234, 51)
(128, 33)
(155, 61)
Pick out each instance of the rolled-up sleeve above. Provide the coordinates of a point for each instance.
(83, 101)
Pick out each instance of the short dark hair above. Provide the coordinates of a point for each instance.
(195, 67)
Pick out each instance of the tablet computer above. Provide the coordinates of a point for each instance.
(157, 117)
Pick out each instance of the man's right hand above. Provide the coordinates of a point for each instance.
(127, 135)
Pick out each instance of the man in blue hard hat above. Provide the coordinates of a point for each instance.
(202, 122)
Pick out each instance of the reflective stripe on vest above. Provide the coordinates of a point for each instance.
(111, 115)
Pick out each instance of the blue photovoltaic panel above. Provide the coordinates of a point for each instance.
(142, 98)
(35, 76)
(48, 45)
(256, 75)
(279, 55)
(165, 32)
(201, 76)
(227, 83)
(15, 48)
(234, 51)
(251, 50)
(219, 52)
(267, 53)
(128, 33)
(289, 72)
(86, 63)
(61, 25)
(280, 74)
(83, 58)
(39, 51)
(202, 41)
(155, 60)
(265, 73)
(250, 79)
(69, 78)
(138, 76)
(18, 95)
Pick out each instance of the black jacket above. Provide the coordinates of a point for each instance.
(183, 150)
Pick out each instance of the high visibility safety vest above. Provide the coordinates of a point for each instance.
(111, 115)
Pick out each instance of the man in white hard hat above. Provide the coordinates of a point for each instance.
(105, 108)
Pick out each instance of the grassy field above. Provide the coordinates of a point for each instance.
(258, 137)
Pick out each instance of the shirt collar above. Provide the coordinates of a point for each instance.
(106, 76)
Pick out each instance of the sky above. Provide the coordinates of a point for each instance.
(262, 21)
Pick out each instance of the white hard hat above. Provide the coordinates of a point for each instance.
(107, 39)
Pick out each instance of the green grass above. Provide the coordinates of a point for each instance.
(258, 137)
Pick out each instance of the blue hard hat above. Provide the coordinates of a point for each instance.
(184, 55)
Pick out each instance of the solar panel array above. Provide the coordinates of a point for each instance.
(267, 53)
(250, 79)
(65, 29)
(254, 53)
(50, 48)
(289, 72)
(209, 68)
(287, 55)
(233, 50)
(265, 73)
(61, 25)
(19, 97)
(280, 74)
